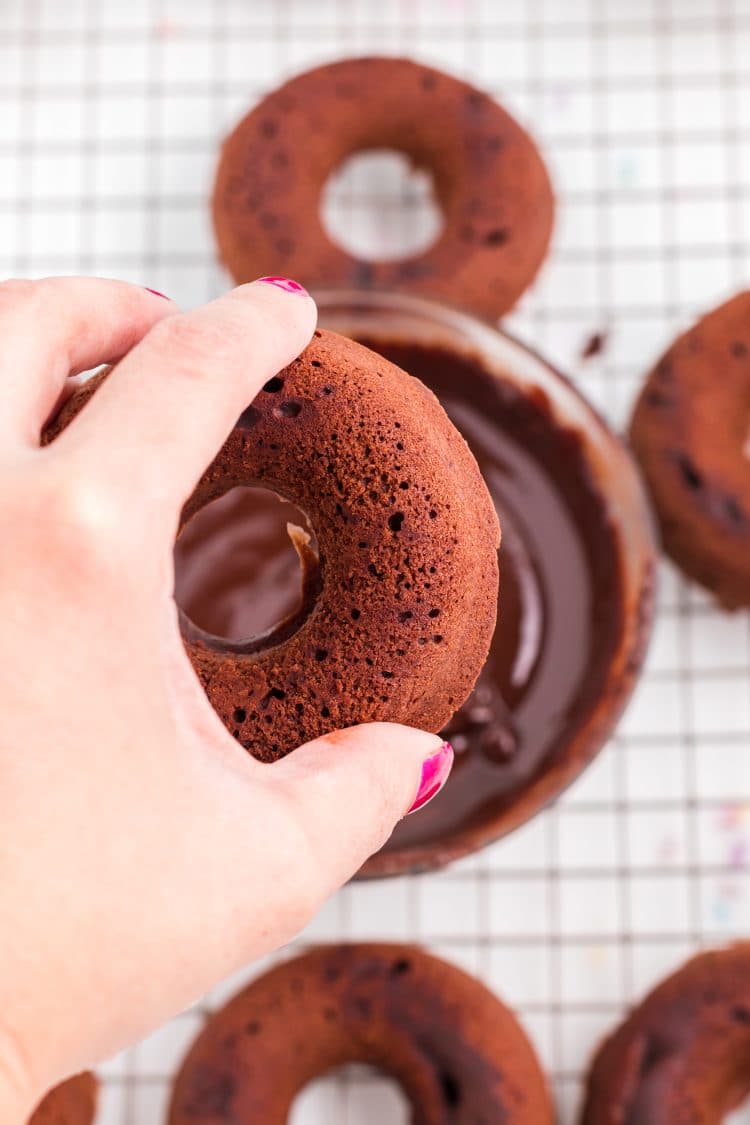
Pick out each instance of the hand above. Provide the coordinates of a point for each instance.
(143, 854)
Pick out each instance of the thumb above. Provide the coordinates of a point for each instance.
(350, 788)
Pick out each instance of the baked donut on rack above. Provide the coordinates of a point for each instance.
(399, 592)
(682, 1057)
(691, 433)
(489, 178)
(459, 1054)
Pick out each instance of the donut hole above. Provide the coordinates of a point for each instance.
(357, 1093)
(740, 1115)
(378, 207)
(238, 573)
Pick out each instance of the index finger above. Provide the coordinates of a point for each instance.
(57, 326)
(162, 415)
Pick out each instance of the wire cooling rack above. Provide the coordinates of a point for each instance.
(111, 115)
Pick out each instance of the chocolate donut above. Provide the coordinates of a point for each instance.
(71, 1103)
(489, 179)
(399, 600)
(682, 1057)
(691, 433)
(458, 1052)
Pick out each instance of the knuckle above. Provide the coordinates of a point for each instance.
(77, 521)
(51, 298)
(16, 291)
(200, 345)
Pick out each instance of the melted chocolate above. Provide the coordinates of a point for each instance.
(237, 573)
(561, 603)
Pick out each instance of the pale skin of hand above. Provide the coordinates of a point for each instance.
(143, 854)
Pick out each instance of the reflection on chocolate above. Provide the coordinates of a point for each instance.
(561, 597)
(560, 609)
(237, 572)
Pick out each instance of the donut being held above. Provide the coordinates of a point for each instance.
(682, 1057)
(400, 595)
(459, 1054)
(691, 434)
(488, 174)
(71, 1103)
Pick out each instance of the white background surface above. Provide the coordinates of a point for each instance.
(111, 116)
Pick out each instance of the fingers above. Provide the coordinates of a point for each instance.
(156, 423)
(288, 835)
(349, 789)
(58, 326)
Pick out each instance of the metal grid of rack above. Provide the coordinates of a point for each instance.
(111, 116)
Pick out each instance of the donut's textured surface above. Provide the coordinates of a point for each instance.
(691, 433)
(683, 1055)
(489, 179)
(457, 1051)
(71, 1103)
(398, 617)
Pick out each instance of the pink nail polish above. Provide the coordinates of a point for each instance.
(156, 292)
(285, 283)
(435, 772)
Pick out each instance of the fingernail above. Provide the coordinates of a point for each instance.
(435, 772)
(156, 292)
(285, 283)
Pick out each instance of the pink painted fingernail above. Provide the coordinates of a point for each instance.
(435, 772)
(285, 283)
(156, 292)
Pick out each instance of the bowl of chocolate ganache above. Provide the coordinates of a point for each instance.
(577, 571)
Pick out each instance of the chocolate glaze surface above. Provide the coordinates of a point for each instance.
(562, 601)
